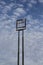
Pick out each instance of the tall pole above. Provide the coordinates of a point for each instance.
(18, 46)
(22, 47)
(20, 26)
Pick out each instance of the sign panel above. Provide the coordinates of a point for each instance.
(21, 24)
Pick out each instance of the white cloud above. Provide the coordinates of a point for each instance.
(6, 9)
(41, 1)
(3, 3)
(41, 16)
(30, 5)
(33, 1)
(20, 5)
(23, 1)
(21, 11)
(34, 48)
(9, 40)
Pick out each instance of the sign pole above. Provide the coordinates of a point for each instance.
(22, 47)
(18, 47)
(20, 26)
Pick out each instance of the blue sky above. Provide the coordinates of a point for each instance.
(10, 11)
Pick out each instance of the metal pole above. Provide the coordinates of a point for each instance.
(22, 47)
(18, 46)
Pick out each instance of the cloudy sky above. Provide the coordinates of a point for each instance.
(10, 11)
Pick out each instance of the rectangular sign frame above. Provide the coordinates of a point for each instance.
(19, 25)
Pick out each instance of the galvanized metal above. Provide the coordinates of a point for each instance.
(22, 47)
(18, 47)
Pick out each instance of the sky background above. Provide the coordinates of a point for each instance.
(10, 11)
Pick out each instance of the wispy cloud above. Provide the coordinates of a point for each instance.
(33, 34)
(41, 1)
(33, 48)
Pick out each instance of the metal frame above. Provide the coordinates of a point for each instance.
(21, 29)
(20, 21)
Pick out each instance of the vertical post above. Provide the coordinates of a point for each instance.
(22, 47)
(18, 46)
